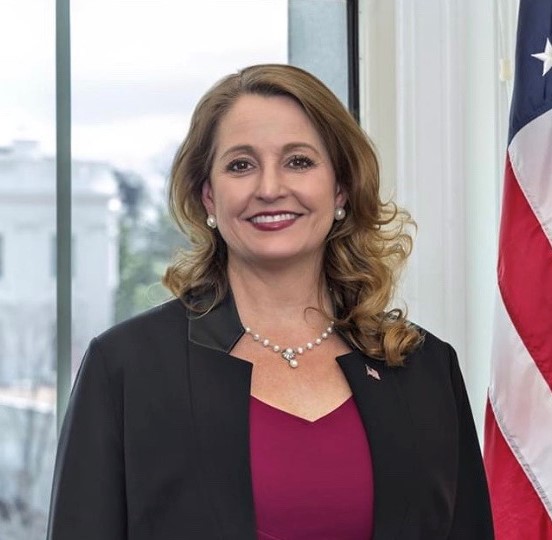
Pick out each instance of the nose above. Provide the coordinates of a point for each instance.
(270, 184)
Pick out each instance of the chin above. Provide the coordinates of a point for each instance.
(285, 256)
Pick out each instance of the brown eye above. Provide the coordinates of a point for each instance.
(300, 162)
(239, 165)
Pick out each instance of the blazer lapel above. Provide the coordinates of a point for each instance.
(386, 419)
(220, 393)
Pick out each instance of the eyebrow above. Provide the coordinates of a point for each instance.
(249, 149)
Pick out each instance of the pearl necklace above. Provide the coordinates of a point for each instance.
(289, 354)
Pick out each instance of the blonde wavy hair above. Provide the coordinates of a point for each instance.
(364, 253)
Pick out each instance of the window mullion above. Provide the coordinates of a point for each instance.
(63, 205)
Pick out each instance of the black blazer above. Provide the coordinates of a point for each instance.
(155, 442)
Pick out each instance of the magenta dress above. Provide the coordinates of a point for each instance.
(311, 480)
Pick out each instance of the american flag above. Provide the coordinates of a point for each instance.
(518, 423)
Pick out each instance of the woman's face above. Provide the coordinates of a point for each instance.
(272, 186)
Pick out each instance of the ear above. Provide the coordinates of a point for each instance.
(207, 197)
(340, 196)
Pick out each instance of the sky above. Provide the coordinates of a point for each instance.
(138, 68)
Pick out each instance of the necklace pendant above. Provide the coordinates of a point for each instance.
(289, 356)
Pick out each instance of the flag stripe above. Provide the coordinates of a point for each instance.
(522, 404)
(511, 490)
(531, 158)
(524, 274)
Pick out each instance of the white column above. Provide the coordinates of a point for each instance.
(440, 56)
(430, 180)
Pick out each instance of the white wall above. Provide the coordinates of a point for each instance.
(433, 104)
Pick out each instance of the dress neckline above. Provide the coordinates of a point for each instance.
(295, 417)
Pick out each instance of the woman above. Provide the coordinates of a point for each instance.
(277, 397)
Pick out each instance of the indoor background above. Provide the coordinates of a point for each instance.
(429, 80)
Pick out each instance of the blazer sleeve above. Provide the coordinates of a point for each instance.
(472, 510)
(88, 496)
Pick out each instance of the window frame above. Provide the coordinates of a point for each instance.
(63, 208)
(353, 68)
(2, 255)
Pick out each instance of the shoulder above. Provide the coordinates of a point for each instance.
(432, 363)
(142, 337)
(431, 383)
(171, 315)
(431, 352)
(431, 378)
(139, 357)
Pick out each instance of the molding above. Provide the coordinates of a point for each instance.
(430, 157)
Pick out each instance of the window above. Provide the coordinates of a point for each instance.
(1, 256)
(323, 40)
(133, 90)
(27, 298)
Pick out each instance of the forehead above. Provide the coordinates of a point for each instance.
(270, 120)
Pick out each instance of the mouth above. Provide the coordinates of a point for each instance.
(273, 217)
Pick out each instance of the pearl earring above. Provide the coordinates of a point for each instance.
(211, 221)
(339, 213)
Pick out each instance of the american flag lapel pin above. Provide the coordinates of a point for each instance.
(371, 372)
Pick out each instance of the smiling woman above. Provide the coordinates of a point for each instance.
(274, 196)
(186, 422)
(265, 111)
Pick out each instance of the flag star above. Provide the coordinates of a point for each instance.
(545, 57)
